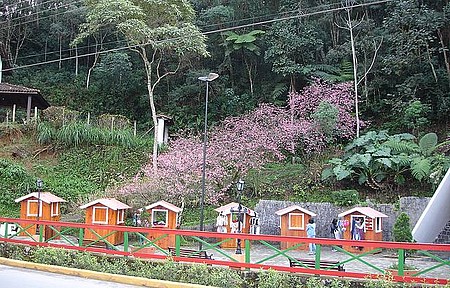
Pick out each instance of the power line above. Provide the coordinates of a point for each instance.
(33, 7)
(212, 25)
(41, 12)
(209, 32)
(201, 27)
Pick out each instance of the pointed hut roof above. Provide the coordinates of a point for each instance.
(233, 206)
(367, 211)
(293, 208)
(46, 197)
(165, 204)
(108, 202)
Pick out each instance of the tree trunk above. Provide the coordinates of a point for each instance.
(355, 69)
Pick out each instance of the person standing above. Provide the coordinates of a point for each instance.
(334, 231)
(311, 233)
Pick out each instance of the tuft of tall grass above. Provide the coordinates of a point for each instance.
(76, 133)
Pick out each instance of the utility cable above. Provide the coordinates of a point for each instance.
(209, 32)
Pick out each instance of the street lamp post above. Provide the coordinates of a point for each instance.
(240, 188)
(39, 184)
(207, 79)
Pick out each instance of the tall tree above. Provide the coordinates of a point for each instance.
(161, 32)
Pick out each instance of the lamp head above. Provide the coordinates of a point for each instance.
(39, 183)
(240, 185)
(211, 77)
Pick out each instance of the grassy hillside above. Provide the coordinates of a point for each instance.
(73, 173)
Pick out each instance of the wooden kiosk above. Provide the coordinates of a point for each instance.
(107, 211)
(40, 206)
(163, 215)
(231, 212)
(364, 223)
(293, 221)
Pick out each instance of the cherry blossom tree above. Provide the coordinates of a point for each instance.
(249, 141)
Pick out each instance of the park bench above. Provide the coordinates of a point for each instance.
(311, 263)
(95, 244)
(190, 253)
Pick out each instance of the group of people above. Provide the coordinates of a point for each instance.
(337, 229)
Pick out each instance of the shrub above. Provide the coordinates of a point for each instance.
(271, 278)
(345, 198)
(402, 229)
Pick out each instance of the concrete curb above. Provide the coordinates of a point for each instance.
(137, 281)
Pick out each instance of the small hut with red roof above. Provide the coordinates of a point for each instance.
(364, 223)
(163, 215)
(106, 211)
(231, 212)
(293, 221)
(40, 206)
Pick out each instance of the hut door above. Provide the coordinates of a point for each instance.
(357, 227)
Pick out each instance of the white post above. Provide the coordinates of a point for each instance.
(14, 114)
(135, 128)
(89, 118)
(35, 114)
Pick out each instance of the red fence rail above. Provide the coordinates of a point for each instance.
(259, 251)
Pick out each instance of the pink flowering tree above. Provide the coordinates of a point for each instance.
(249, 141)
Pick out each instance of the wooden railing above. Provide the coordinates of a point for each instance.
(435, 268)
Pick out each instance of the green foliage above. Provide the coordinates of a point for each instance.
(53, 256)
(244, 41)
(271, 278)
(77, 133)
(274, 180)
(345, 198)
(81, 172)
(15, 182)
(326, 116)
(402, 229)
(377, 159)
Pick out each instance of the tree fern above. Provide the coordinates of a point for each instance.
(428, 143)
(420, 168)
(399, 146)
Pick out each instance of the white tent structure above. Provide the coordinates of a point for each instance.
(436, 215)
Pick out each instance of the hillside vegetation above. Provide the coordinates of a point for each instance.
(341, 102)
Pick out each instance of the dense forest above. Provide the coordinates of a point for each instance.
(140, 58)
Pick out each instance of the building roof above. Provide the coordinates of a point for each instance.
(293, 208)
(166, 118)
(165, 204)
(46, 197)
(234, 207)
(108, 202)
(14, 94)
(367, 211)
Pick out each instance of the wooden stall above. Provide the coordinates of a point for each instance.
(40, 206)
(362, 223)
(293, 221)
(163, 215)
(231, 212)
(106, 211)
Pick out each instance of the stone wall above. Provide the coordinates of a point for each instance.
(444, 237)
(413, 206)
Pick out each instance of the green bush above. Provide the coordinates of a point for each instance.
(345, 198)
(402, 229)
(15, 182)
